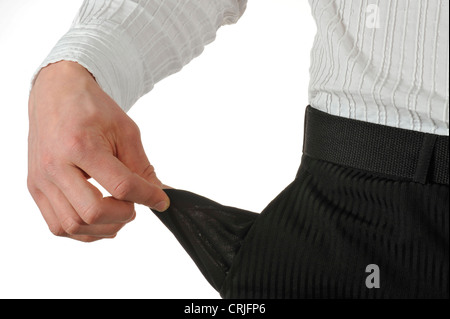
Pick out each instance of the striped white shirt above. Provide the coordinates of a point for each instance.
(380, 61)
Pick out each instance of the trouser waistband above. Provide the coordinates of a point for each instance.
(393, 152)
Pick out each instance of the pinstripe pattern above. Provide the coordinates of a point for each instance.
(317, 237)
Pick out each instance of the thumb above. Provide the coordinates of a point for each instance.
(132, 154)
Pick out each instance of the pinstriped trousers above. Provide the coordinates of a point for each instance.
(347, 227)
(316, 239)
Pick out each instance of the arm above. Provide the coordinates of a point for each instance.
(129, 45)
(78, 126)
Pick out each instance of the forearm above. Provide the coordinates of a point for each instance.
(130, 45)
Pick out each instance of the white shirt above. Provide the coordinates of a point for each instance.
(380, 61)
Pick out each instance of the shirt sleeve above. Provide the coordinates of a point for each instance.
(130, 45)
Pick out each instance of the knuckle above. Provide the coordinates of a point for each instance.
(79, 145)
(123, 189)
(131, 130)
(31, 185)
(48, 164)
(57, 230)
(91, 215)
(75, 145)
(70, 226)
(136, 131)
(149, 172)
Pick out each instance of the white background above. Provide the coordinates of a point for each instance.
(229, 126)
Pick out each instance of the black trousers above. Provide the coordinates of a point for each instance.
(365, 217)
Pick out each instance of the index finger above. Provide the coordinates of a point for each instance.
(89, 202)
(121, 182)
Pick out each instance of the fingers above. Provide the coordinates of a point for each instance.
(50, 217)
(47, 212)
(133, 156)
(73, 224)
(121, 182)
(77, 131)
(88, 201)
(74, 208)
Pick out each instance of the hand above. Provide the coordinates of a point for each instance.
(76, 131)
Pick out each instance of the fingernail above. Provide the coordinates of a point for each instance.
(161, 206)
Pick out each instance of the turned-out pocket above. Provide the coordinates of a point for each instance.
(211, 233)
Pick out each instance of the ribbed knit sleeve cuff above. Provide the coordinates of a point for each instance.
(109, 56)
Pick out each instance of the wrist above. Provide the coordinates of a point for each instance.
(64, 69)
(60, 81)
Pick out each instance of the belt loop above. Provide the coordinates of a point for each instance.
(424, 159)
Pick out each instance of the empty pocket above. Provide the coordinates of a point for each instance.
(210, 233)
